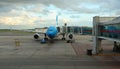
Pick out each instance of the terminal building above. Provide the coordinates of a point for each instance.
(84, 30)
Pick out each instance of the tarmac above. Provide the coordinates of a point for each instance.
(31, 54)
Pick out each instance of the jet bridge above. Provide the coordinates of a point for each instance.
(107, 28)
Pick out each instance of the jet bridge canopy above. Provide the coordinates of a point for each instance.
(105, 28)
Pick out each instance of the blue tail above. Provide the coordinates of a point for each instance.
(57, 20)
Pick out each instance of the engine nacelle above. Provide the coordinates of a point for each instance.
(70, 38)
(36, 36)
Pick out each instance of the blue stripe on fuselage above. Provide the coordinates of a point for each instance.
(52, 32)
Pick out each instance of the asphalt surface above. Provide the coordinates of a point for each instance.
(58, 55)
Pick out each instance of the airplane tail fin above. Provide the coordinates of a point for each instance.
(57, 20)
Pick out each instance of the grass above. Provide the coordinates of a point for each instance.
(15, 31)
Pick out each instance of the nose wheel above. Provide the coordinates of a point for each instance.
(69, 41)
(51, 40)
(45, 37)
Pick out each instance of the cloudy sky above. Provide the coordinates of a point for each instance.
(26, 14)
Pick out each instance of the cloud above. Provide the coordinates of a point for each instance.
(79, 6)
(28, 17)
(23, 20)
(39, 13)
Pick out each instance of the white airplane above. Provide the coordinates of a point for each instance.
(52, 32)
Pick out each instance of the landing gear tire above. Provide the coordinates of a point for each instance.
(63, 38)
(51, 41)
(68, 41)
(46, 38)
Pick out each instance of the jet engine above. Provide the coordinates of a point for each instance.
(36, 36)
(70, 38)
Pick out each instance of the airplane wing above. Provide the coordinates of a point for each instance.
(39, 33)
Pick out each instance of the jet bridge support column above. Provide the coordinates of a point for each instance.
(96, 32)
(65, 29)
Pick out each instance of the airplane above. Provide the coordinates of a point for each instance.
(52, 32)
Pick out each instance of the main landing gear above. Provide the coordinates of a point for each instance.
(63, 38)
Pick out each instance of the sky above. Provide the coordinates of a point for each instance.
(29, 14)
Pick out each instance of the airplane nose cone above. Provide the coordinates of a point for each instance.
(51, 34)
